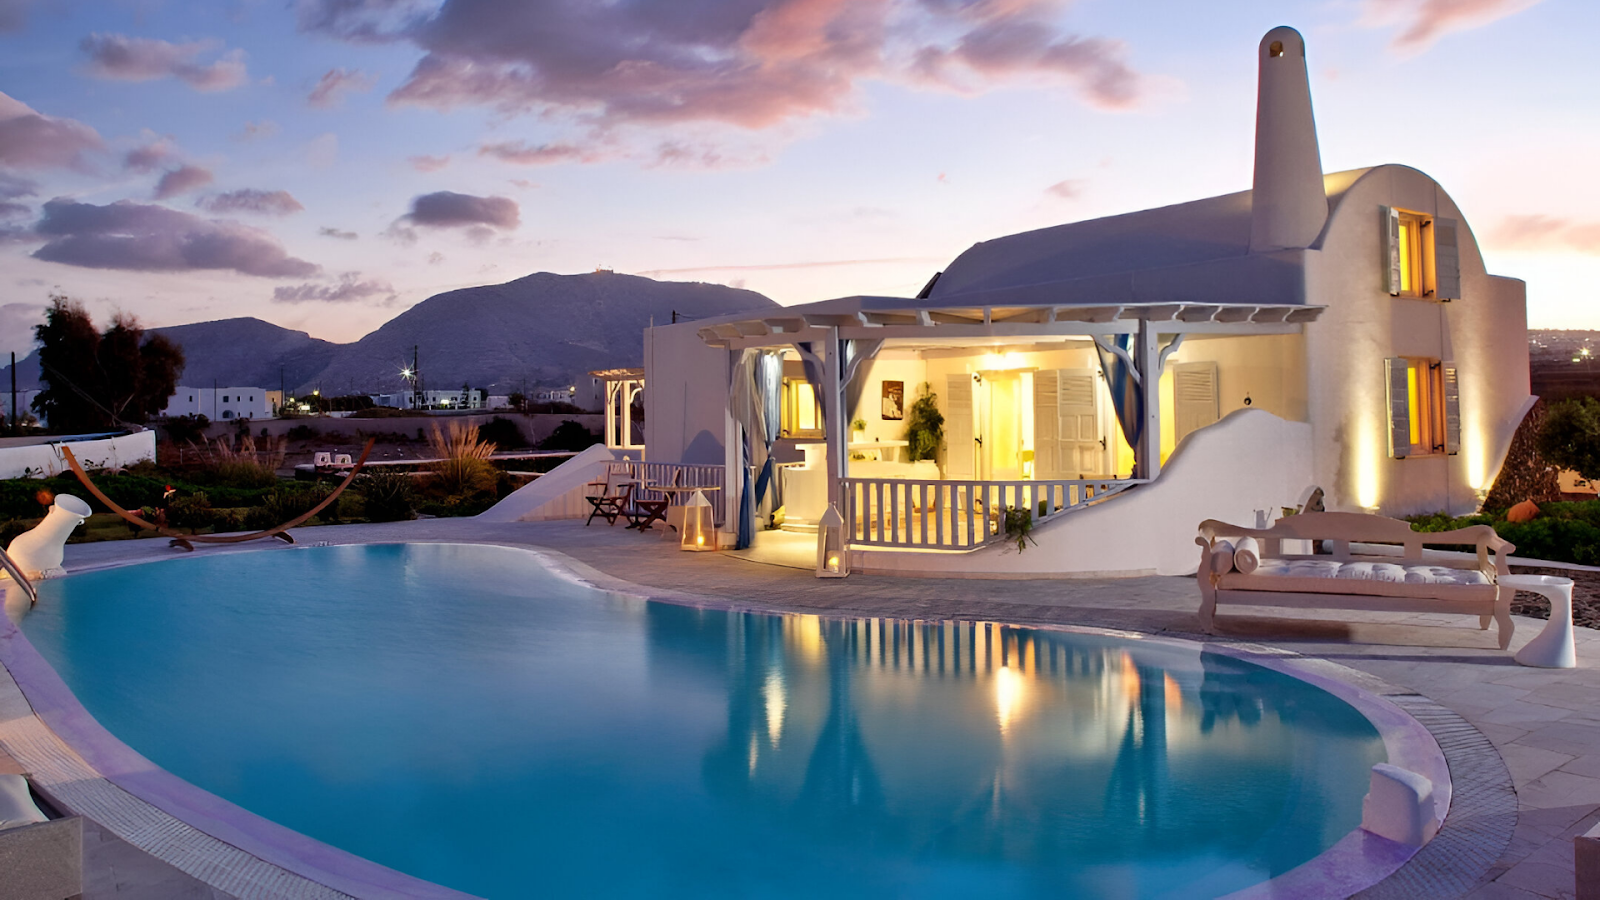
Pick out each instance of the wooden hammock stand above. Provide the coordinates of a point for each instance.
(187, 541)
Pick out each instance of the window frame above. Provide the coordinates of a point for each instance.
(1426, 406)
(790, 413)
(1415, 243)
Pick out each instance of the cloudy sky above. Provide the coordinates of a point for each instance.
(323, 164)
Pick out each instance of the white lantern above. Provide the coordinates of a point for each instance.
(699, 525)
(833, 559)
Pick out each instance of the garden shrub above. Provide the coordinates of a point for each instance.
(387, 496)
(502, 433)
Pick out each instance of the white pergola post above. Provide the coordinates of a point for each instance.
(833, 420)
(611, 414)
(1147, 456)
(626, 438)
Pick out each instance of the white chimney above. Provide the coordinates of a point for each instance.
(1290, 205)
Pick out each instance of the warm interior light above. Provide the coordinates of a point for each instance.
(1405, 255)
(833, 562)
(700, 539)
(1414, 396)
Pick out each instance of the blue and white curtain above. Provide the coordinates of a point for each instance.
(753, 399)
(1117, 363)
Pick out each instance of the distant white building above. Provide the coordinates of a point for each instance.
(467, 399)
(222, 403)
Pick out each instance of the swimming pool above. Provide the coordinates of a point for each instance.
(463, 714)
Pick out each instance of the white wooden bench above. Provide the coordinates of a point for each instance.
(1290, 575)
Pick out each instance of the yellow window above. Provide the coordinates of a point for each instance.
(1414, 393)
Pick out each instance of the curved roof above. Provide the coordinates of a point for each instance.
(1098, 251)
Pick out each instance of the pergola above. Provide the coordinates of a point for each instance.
(836, 335)
(622, 386)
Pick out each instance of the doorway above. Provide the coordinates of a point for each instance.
(1002, 434)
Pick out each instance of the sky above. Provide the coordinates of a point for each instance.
(325, 164)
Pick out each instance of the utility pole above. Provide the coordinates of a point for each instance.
(416, 380)
(16, 417)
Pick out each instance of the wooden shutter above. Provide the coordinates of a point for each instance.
(1195, 398)
(1452, 410)
(1395, 369)
(1081, 454)
(1446, 259)
(1391, 250)
(1047, 462)
(959, 459)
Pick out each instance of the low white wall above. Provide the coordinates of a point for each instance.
(44, 460)
(1250, 460)
(557, 494)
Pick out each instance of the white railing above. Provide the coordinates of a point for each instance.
(678, 474)
(958, 515)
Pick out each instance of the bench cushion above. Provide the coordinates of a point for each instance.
(1331, 576)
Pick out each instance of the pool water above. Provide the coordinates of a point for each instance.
(463, 714)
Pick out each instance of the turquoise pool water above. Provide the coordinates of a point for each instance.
(462, 714)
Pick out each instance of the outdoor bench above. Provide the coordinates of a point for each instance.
(1392, 578)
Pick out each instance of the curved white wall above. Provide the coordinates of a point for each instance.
(557, 494)
(1251, 460)
(44, 459)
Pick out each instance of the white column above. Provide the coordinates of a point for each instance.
(834, 424)
(1148, 356)
(627, 414)
(611, 414)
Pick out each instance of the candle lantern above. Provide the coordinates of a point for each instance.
(699, 525)
(833, 559)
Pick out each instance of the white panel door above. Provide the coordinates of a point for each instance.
(1081, 453)
(1195, 402)
(959, 458)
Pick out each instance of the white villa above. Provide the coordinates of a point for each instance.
(1126, 377)
(219, 403)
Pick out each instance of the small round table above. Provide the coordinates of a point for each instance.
(1551, 648)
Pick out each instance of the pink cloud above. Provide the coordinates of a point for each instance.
(31, 140)
(522, 154)
(1546, 234)
(448, 209)
(349, 289)
(149, 238)
(428, 163)
(335, 84)
(752, 65)
(1070, 189)
(250, 200)
(1422, 22)
(182, 180)
(118, 57)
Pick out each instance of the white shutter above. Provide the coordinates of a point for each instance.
(1046, 454)
(1446, 259)
(1195, 399)
(1079, 411)
(1395, 369)
(959, 458)
(1391, 249)
(1452, 410)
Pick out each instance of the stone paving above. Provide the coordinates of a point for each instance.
(1543, 724)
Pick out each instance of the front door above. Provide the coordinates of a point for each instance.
(1000, 421)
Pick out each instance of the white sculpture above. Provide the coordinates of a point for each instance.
(37, 552)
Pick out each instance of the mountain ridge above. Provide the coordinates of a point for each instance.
(541, 329)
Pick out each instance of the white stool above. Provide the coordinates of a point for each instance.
(1551, 648)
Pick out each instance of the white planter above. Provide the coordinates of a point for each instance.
(38, 551)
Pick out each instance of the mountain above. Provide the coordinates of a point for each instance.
(245, 352)
(541, 330)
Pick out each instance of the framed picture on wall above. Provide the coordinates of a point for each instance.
(894, 400)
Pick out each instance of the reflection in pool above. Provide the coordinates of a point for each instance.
(516, 734)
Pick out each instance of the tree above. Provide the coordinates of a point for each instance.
(1570, 437)
(96, 381)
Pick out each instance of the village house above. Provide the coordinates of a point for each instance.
(1124, 378)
